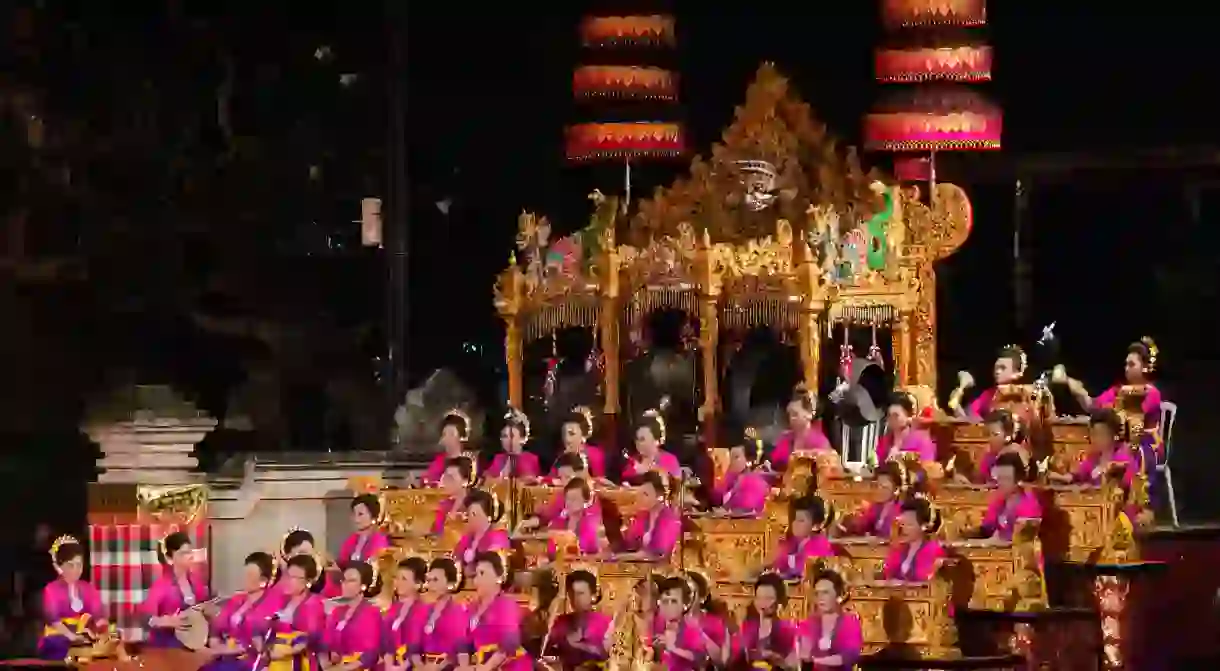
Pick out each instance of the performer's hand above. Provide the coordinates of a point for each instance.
(964, 379)
(671, 638)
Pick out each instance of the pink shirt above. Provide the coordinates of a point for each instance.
(1092, 470)
(1003, 512)
(914, 440)
(742, 493)
(901, 565)
(813, 441)
(354, 637)
(845, 639)
(665, 462)
(1151, 405)
(794, 554)
(596, 460)
(655, 532)
(527, 466)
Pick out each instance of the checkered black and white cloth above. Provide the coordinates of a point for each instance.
(124, 563)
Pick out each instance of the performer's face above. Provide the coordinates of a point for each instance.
(477, 518)
(885, 489)
(565, 473)
(72, 569)
(451, 439)
(452, 481)
(1133, 368)
(252, 578)
(183, 556)
(646, 443)
(296, 580)
(573, 501)
(1005, 370)
(799, 416)
(825, 596)
(1100, 437)
(352, 584)
(908, 526)
(305, 548)
(438, 583)
(765, 599)
(511, 439)
(896, 418)
(671, 605)
(573, 437)
(404, 583)
(362, 518)
(485, 579)
(802, 524)
(581, 595)
(996, 436)
(738, 461)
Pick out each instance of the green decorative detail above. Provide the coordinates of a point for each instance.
(875, 229)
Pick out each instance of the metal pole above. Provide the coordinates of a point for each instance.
(397, 238)
(1021, 276)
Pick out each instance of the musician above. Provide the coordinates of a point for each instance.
(455, 434)
(495, 620)
(176, 590)
(1107, 453)
(654, 531)
(297, 542)
(768, 640)
(878, 516)
(576, 431)
(917, 554)
(244, 617)
(901, 437)
(678, 644)
(403, 622)
(514, 461)
(362, 545)
(808, 519)
(649, 456)
(446, 630)
(803, 433)
(1008, 369)
(71, 607)
(1003, 437)
(458, 478)
(483, 511)
(569, 465)
(581, 638)
(832, 638)
(582, 517)
(742, 492)
(707, 614)
(352, 638)
(1011, 502)
(1139, 365)
(299, 627)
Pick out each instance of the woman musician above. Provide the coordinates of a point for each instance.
(300, 621)
(362, 545)
(768, 641)
(576, 431)
(678, 644)
(514, 461)
(176, 590)
(581, 638)
(403, 621)
(832, 638)
(1138, 366)
(352, 639)
(457, 480)
(455, 432)
(650, 455)
(653, 533)
(72, 607)
(495, 620)
(483, 511)
(244, 617)
(808, 519)
(743, 491)
(446, 631)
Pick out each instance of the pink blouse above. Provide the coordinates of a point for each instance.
(915, 440)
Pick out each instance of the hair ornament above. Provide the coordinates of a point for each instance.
(282, 552)
(515, 417)
(934, 516)
(829, 514)
(1153, 353)
(497, 506)
(585, 414)
(456, 585)
(654, 414)
(584, 461)
(1022, 360)
(804, 393)
(460, 415)
(60, 542)
(753, 436)
(374, 585)
(161, 547)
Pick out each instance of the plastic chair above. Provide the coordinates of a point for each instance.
(1169, 413)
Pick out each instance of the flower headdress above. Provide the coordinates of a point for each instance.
(461, 416)
(586, 414)
(934, 516)
(1022, 360)
(1153, 353)
(829, 514)
(654, 415)
(752, 435)
(58, 543)
(517, 418)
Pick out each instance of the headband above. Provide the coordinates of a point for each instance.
(655, 415)
(751, 434)
(1153, 353)
(1022, 360)
(516, 417)
(459, 414)
(60, 542)
(587, 415)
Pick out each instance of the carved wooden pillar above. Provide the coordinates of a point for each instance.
(900, 337)
(512, 355)
(809, 332)
(709, 336)
(924, 325)
(607, 322)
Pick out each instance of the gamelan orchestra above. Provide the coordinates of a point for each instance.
(651, 535)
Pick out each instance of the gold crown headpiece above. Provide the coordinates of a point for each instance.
(1022, 360)
(60, 542)
(460, 415)
(374, 585)
(282, 552)
(655, 415)
(753, 436)
(829, 514)
(587, 415)
(934, 517)
(1153, 353)
(161, 547)
(517, 418)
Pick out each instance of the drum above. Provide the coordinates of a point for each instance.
(194, 633)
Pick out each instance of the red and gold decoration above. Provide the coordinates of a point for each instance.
(631, 140)
(608, 31)
(930, 106)
(625, 82)
(970, 64)
(923, 13)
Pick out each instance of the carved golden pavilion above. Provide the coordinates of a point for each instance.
(778, 227)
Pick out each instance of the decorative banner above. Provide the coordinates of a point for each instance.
(594, 141)
(931, 131)
(625, 81)
(911, 13)
(958, 64)
(605, 31)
